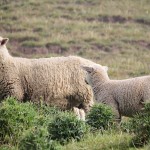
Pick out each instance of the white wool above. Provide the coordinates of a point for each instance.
(126, 97)
(58, 81)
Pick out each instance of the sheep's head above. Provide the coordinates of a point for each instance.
(3, 41)
(3, 49)
(95, 73)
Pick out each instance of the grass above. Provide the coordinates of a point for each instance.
(114, 33)
(117, 141)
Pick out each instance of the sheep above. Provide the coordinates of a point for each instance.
(57, 81)
(126, 97)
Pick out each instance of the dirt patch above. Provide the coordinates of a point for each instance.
(119, 19)
(42, 50)
(142, 43)
(57, 49)
(143, 21)
(109, 48)
(111, 19)
(75, 48)
(67, 17)
(35, 50)
(114, 19)
(11, 29)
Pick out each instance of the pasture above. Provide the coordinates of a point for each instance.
(114, 33)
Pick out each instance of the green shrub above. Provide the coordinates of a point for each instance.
(65, 127)
(14, 119)
(141, 126)
(36, 139)
(100, 116)
(7, 147)
(45, 114)
(47, 110)
(126, 125)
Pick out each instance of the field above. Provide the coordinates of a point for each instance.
(114, 33)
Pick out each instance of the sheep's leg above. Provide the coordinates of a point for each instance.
(87, 105)
(117, 114)
(115, 108)
(61, 103)
(87, 102)
(65, 104)
(76, 111)
(79, 113)
(82, 114)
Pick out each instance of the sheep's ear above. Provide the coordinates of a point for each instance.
(106, 68)
(4, 41)
(87, 68)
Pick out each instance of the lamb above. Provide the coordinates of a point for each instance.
(57, 81)
(126, 97)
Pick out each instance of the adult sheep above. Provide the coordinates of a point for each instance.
(126, 97)
(57, 81)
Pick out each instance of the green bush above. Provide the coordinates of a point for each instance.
(7, 147)
(126, 125)
(45, 114)
(65, 127)
(15, 117)
(141, 126)
(100, 116)
(36, 139)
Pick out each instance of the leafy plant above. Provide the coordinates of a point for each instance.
(65, 127)
(126, 125)
(141, 126)
(36, 139)
(100, 116)
(45, 114)
(14, 119)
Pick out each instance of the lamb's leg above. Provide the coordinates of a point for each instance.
(117, 114)
(115, 108)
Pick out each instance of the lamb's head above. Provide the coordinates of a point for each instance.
(96, 74)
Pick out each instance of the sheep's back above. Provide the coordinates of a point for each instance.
(55, 77)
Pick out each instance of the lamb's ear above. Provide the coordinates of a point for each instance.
(87, 68)
(106, 68)
(4, 41)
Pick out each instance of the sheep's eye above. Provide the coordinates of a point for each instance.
(86, 82)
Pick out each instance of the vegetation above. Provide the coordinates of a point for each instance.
(36, 139)
(28, 126)
(140, 125)
(115, 33)
(100, 117)
(14, 119)
(111, 32)
(66, 127)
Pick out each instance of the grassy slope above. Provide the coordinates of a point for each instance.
(115, 33)
(116, 141)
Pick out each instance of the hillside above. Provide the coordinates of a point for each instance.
(114, 33)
